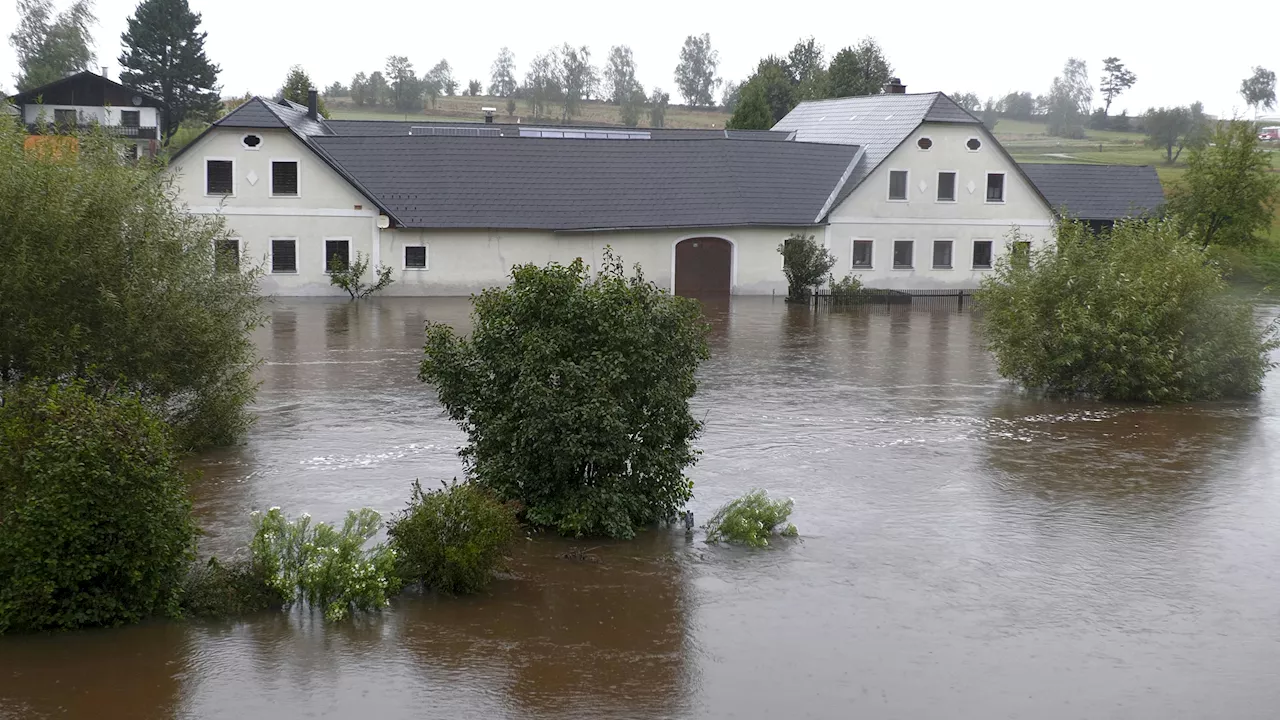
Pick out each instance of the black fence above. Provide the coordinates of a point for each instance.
(957, 299)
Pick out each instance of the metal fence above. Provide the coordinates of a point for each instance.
(957, 299)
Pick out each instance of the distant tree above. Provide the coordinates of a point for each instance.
(541, 84)
(858, 70)
(807, 66)
(1116, 78)
(1075, 78)
(511, 107)
(474, 88)
(1070, 99)
(50, 48)
(1174, 128)
(502, 74)
(360, 89)
(1259, 90)
(350, 276)
(164, 57)
(1228, 194)
(1018, 105)
(378, 91)
(696, 72)
(578, 78)
(335, 90)
(751, 112)
(991, 114)
(296, 86)
(969, 101)
(658, 102)
(771, 84)
(729, 98)
(632, 105)
(619, 74)
(439, 81)
(403, 83)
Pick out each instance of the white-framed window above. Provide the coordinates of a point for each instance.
(220, 176)
(863, 254)
(995, 187)
(899, 185)
(981, 254)
(226, 256)
(337, 249)
(904, 254)
(942, 250)
(947, 181)
(284, 177)
(924, 143)
(416, 257)
(251, 142)
(130, 118)
(284, 255)
(973, 144)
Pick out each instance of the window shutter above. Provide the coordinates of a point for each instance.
(219, 180)
(284, 178)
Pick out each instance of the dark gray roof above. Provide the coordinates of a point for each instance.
(252, 114)
(402, 127)
(550, 184)
(1097, 192)
(944, 109)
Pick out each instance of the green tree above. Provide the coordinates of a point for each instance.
(452, 539)
(474, 87)
(360, 89)
(633, 101)
(752, 111)
(969, 101)
(541, 84)
(805, 263)
(858, 70)
(1175, 128)
(335, 90)
(350, 276)
(729, 97)
(574, 394)
(95, 524)
(578, 79)
(658, 102)
(502, 75)
(1017, 105)
(406, 90)
(1134, 314)
(109, 281)
(51, 48)
(1259, 90)
(439, 81)
(1228, 194)
(164, 57)
(297, 85)
(807, 66)
(377, 90)
(696, 72)
(771, 81)
(619, 76)
(1116, 78)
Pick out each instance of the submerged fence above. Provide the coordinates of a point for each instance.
(958, 299)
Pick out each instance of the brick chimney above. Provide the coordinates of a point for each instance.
(312, 103)
(895, 87)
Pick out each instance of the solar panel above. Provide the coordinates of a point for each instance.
(584, 134)
(455, 131)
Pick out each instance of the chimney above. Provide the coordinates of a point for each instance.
(312, 103)
(895, 87)
(488, 114)
(103, 71)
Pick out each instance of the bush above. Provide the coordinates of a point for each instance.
(452, 539)
(750, 520)
(327, 568)
(848, 288)
(1133, 314)
(805, 263)
(215, 589)
(574, 393)
(350, 276)
(106, 279)
(95, 524)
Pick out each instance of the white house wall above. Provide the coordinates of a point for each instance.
(868, 214)
(147, 116)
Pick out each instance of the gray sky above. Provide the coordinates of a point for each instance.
(990, 48)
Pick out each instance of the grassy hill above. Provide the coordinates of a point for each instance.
(468, 109)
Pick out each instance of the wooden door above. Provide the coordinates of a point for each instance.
(704, 267)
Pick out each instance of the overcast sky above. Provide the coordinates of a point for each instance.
(1192, 52)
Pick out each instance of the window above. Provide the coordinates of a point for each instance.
(974, 144)
(862, 253)
(995, 187)
(251, 142)
(415, 257)
(284, 178)
(337, 252)
(942, 254)
(219, 177)
(1021, 251)
(981, 254)
(924, 143)
(284, 256)
(897, 184)
(946, 187)
(227, 255)
(130, 118)
(65, 118)
(902, 253)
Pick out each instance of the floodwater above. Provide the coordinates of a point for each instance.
(965, 552)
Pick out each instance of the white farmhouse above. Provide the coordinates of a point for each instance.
(908, 192)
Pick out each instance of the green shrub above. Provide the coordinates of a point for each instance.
(216, 589)
(95, 524)
(848, 288)
(805, 263)
(452, 539)
(1136, 313)
(750, 520)
(350, 276)
(327, 568)
(574, 394)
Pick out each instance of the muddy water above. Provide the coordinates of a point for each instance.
(966, 552)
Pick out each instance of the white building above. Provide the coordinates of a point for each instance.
(87, 100)
(908, 192)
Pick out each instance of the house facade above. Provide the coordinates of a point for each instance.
(907, 191)
(86, 100)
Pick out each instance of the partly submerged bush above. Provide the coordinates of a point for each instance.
(452, 539)
(805, 263)
(327, 568)
(1136, 313)
(848, 288)
(574, 394)
(95, 524)
(216, 589)
(750, 520)
(350, 276)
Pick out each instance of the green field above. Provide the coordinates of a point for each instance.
(468, 109)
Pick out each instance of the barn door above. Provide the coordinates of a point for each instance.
(704, 267)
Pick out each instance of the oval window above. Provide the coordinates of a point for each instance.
(924, 143)
(973, 144)
(251, 141)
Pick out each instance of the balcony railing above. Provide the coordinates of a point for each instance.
(140, 133)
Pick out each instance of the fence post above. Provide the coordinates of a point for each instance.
(959, 301)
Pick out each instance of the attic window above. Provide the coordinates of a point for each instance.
(924, 143)
(251, 142)
(973, 144)
(284, 178)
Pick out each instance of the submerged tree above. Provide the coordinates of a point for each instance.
(805, 263)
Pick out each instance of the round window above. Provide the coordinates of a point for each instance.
(973, 144)
(251, 141)
(924, 143)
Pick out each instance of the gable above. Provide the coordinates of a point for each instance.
(86, 89)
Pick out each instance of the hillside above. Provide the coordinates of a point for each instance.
(468, 109)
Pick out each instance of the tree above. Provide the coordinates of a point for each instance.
(502, 75)
(541, 84)
(632, 106)
(1228, 194)
(1259, 90)
(752, 111)
(95, 523)
(406, 90)
(109, 281)
(1133, 314)
(990, 114)
(578, 79)
(1116, 78)
(858, 70)
(511, 107)
(729, 98)
(350, 276)
(1075, 80)
(1175, 128)
(474, 88)
(969, 101)
(772, 83)
(335, 90)
(574, 391)
(1069, 101)
(439, 81)
(696, 73)
(49, 50)
(452, 539)
(377, 89)
(1017, 105)
(164, 57)
(805, 263)
(619, 74)
(360, 89)
(807, 66)
(297, 87)
(658, 102)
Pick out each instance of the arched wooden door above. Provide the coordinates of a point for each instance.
(704, 267)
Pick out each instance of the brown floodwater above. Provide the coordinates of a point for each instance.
(966, 551)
